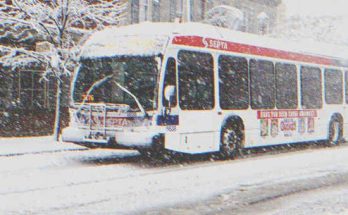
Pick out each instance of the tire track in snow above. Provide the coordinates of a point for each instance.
(42, 152)
(152, 167)
(249, 199)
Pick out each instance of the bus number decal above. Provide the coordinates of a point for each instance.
(171, 128)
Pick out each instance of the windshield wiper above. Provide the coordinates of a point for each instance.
(95, 85)
(101, 81)
(134, 97)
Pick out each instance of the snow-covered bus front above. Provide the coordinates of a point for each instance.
(115, 90)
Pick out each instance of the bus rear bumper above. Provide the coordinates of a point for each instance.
(116, 139)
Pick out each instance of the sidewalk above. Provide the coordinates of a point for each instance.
(34, 145)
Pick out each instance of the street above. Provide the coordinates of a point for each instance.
(99, 181)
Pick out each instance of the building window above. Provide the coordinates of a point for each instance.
(134, 11)
(156, 10)
(146, 10)
(245, 24)
(32, 92)
(172, 10)
(196, 80)
(192, 10)
(6, 91)
(203, 9)
(263, 23)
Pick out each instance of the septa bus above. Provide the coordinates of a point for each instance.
(195, 88)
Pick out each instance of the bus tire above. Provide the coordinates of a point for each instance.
(231, 141)
(335, 132)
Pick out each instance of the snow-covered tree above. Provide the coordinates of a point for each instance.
(225, 16)
(59, 25)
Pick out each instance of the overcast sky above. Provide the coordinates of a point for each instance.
(317, 7)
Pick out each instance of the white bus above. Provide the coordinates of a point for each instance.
(195, 88)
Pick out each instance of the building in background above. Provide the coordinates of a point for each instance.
(27, 102)
(253, 16)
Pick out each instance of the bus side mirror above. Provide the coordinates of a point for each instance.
(169, 92)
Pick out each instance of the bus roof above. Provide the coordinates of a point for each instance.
(151, 38)
(143, 39)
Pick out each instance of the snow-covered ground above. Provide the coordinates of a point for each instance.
(311, 181)
(33, 145)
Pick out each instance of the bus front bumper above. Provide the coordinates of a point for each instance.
(114, 139)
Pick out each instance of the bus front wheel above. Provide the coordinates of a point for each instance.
(231, 141)
(335, 132)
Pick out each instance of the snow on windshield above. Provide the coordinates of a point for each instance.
(137, 74)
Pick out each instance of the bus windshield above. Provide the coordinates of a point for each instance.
(136, 74)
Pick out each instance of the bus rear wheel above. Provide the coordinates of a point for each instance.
(335, 132)
(231, 141)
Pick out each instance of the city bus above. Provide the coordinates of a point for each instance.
(195, 88)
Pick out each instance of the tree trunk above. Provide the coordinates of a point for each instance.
(56, 129)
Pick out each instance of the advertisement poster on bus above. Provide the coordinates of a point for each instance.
(274, 127)
(264, 127)
(286, 122)
(288, 127)
(310, 125)
(301, 126)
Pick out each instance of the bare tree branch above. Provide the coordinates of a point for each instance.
(59, 23)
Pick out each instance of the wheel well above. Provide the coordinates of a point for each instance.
(337, 116)
(235, 120)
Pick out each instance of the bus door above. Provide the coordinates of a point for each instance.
(170, 115)
(196, 102)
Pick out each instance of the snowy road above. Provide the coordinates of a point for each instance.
(311, 181)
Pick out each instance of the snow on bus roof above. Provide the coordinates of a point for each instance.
(151, 38)
(140, 39)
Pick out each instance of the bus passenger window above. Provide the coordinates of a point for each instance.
(262, 84)
(286, 86)
(233, 82)
(196, 81)
(333, 86)
(169, 79)
(311, 90)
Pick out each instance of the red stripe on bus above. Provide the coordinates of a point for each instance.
(201, 42)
